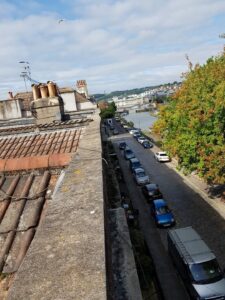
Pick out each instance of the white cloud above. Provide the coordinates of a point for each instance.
(111, 44)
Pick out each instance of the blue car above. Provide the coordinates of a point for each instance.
(147, 145)
(162, 214)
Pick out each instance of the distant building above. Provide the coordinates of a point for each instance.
(130, 101)
(41, 99)
(81, 87)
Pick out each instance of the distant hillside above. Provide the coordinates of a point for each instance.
(124, 93)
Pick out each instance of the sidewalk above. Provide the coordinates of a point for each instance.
(197, 184)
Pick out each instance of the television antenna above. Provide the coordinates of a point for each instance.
(26, 73)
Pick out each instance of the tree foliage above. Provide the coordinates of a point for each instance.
(192, 125)
(108, 111)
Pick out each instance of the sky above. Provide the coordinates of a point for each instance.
(113, 45)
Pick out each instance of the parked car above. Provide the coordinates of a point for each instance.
(162, 214)
(134, 164)
(140, 177)
(122, 145)
(196, 264)
(136, 135)
(147, 144)
(132, 131)
(161, 156)
(128, 153)
(141, 139)
(115, 131)
(151, 192)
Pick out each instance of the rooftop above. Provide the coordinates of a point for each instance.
(37, 202)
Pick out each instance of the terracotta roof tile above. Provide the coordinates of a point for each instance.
(38, 144)
(66, 90)
(22, 215)
(41, 127)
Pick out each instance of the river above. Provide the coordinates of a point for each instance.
(141, 120)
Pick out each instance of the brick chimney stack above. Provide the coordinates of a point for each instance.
(10, 95)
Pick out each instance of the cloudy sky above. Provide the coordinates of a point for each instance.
(113, 44)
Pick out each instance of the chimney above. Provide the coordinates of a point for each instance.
(36, 91)
(10, 95)
(44, 91)
(52, 89)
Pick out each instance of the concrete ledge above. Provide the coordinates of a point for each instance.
(124, 267)
(66, 260)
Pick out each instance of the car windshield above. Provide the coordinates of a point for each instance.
(153, 191)
(163, 154)
(129, 152)
(162, 210)
(140, 174)
(136, 164)
(206, 272)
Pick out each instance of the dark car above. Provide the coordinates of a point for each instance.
(147, 145)
(151, 192)
(122, 145)
(134, 164)
(128, 153)
(162, 214)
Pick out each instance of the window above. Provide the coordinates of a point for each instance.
(162, 210)
(206, 272)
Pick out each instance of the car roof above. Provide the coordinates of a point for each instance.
(160, 202)
(134, 159)
(138, 170)
(162, 152)
(190, 245)
(151, 186)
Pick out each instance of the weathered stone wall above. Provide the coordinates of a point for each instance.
(47, 110)
(10, 109)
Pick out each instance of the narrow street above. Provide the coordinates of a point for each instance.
(188, 207)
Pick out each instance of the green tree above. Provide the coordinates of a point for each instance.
(192, 125)
(109, 111)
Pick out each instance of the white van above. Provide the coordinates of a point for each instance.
(196, 264)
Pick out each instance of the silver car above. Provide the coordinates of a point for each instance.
(140, 177)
